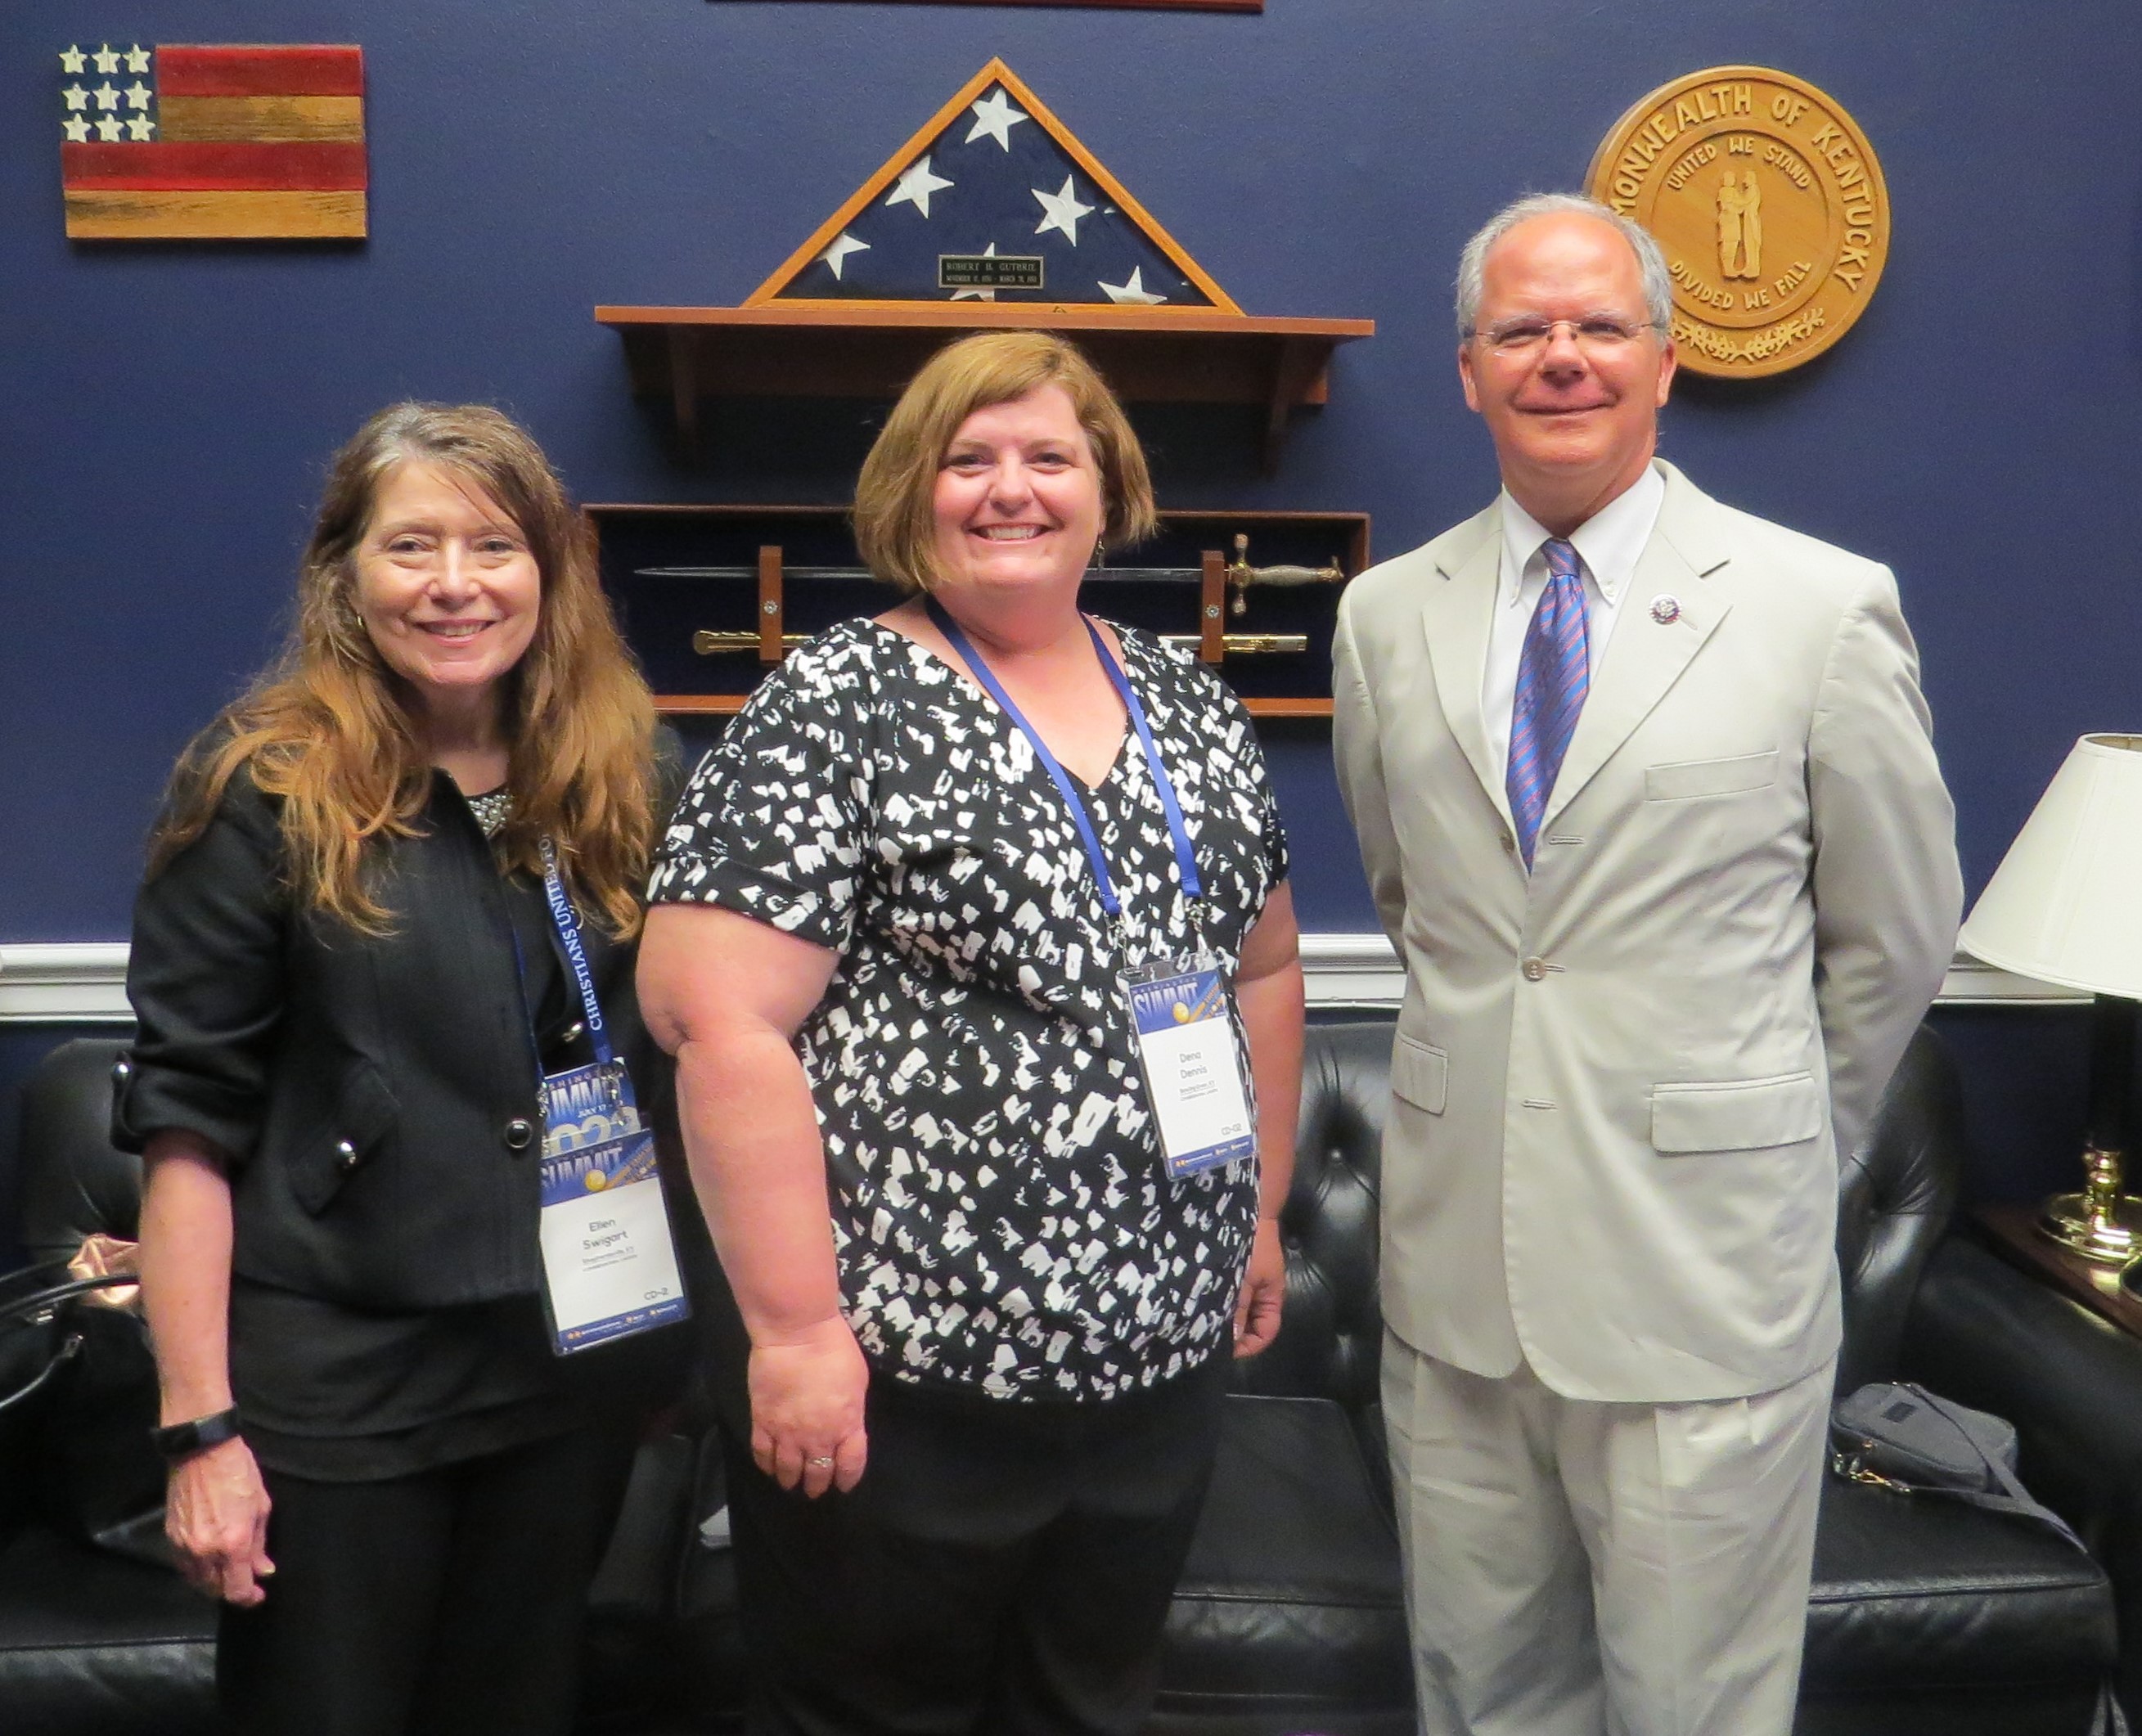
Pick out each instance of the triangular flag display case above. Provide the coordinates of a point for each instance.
(992, 216)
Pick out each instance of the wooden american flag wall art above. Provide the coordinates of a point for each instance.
(192, 142)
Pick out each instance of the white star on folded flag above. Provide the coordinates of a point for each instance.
(987, 295)
(916, 186)
(1064, 211)
(1133, 290)
(841, 250)
(137, 59)
(76, 129)
(107, 62)
(73, 61)
(995, 117)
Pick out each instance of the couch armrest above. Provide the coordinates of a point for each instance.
(1988, 1336)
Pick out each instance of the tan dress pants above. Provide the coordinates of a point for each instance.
(1576, 1568)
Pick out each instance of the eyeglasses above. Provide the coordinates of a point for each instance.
(1596, 333)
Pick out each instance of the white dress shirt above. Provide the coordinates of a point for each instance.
(1608, 545)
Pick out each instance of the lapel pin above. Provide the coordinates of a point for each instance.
(1665, 610)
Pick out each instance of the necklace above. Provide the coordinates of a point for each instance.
(492, 810)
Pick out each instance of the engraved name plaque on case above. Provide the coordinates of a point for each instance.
(1770, 207)
(990, 271)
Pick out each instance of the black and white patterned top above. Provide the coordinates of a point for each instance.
(1002, 1214)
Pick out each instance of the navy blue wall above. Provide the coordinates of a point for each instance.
(166, 410)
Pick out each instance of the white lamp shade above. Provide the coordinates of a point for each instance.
(2065, 904)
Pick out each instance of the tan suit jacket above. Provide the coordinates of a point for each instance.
(1621, 1082)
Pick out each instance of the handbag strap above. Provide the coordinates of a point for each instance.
(2015, 1497)
(42, 1301)
(52, 1295)
(70, 1349)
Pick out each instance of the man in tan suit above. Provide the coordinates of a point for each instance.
(1647, 800)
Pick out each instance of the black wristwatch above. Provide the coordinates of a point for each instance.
(180, 1441)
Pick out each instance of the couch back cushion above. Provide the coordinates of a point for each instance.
(1331, 1334)
(74, 1182)
(1895, 1196)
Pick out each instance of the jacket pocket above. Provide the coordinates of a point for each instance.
(364, 1113)
(1736, 1115)
(1419, 1074)
(1691, 778)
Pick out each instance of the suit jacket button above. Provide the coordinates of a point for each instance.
(518, 1133)
(121, 1070)
(346, 1154)
(1535, 969)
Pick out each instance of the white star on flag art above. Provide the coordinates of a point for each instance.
(994, 200)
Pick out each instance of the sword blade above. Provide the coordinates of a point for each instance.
(714, 642)
(1271, 575)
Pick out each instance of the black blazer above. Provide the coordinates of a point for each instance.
(375, 1095)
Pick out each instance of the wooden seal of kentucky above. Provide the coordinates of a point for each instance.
(1770, 205)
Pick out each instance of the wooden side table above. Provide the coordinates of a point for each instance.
(2015, 1236)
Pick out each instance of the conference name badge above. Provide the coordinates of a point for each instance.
(609, 1264)
(1181, 1015)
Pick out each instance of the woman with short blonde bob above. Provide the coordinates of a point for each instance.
(988, 1307)
(348, 981)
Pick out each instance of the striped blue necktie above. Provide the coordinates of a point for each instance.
(1554, 673)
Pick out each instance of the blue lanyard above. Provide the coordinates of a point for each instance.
(1186, 860)
(568, 931)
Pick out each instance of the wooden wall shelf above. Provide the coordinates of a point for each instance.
(870, 349)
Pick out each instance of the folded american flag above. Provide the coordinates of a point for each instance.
(182, 142)
(994, 200)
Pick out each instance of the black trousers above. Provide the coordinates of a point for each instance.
(446, 1604)
(1002, 1568)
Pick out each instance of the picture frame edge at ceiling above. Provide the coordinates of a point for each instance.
(1231, 6)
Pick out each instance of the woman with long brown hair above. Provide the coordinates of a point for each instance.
(388, 929)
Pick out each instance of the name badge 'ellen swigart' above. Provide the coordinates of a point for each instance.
(609, 1264)
(1181, 1008)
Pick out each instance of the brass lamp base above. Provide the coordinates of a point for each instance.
(2100, 1223)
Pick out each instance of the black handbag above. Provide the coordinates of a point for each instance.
(77, 1399)
(1898, 1436)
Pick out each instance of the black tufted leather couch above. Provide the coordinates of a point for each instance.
(1925, 1617)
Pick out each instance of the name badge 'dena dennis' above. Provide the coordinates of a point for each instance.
(1193, 1065)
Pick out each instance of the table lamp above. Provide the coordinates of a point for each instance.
(2066, 906)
